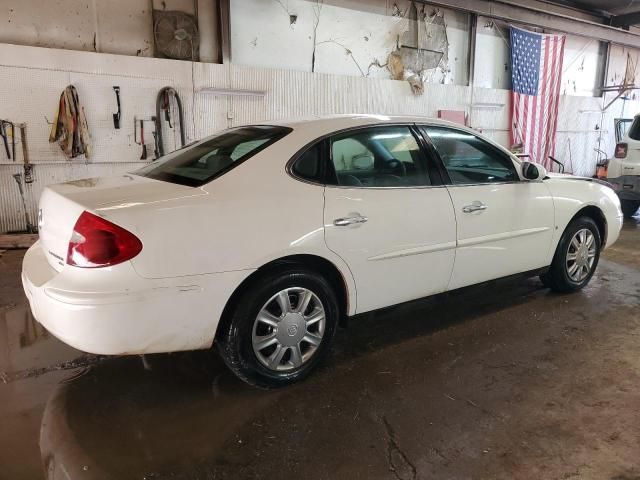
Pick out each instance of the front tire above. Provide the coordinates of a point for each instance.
(629, 207)
(576, 257)
(281, 327)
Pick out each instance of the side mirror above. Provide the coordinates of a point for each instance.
(533, 171)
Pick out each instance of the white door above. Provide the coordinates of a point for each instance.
(393, 228)
(505, 224)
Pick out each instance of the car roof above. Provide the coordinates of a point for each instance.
(338, 122)
(312, 128)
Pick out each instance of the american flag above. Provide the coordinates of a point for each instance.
(536, 68)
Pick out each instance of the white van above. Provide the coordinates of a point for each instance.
(624, 169)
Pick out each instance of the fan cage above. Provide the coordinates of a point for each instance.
(176, 35)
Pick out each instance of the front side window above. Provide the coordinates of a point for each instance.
(469, 159)
(378, 157)
(203, 161)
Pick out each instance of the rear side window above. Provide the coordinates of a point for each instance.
(309, 165)
(203, 161)
(634, 129)
(378, 157)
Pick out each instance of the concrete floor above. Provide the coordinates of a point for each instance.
(499, 381)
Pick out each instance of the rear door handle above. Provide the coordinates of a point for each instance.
(474, 207)
(353, 220)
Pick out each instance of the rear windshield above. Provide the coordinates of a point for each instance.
(201, 162)
(634, 129)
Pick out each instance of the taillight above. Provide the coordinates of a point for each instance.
(621, 150)
(96, 242)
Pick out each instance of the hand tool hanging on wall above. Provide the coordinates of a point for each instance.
(166, 106)
(163, 102)
(116, 116)
(13, 140)
(156, 153)
(30, 227)
(28, 166)
(144, 146)
(138, 138)
(4, 132)
(70, 127)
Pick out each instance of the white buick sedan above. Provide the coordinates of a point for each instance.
(260, 239)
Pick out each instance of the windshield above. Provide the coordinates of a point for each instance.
(201, 162)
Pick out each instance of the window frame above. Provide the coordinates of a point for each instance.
(320, 142)
(188, 182)
(428, 164)
(443, 169)
(636, 122)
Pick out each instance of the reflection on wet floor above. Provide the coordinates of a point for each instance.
(32, 331)
(21, 331)
(162, 419)
(444, 388)
(26, 352)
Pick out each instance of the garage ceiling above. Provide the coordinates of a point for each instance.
(622, 13)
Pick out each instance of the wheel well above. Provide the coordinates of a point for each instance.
(311, 262)
(595, 214)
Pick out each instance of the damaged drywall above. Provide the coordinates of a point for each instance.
(352, 38)
(623, 62)
(423, 48)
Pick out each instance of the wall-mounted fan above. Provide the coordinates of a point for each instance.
(176, 35)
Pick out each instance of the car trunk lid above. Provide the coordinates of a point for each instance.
(61, 205)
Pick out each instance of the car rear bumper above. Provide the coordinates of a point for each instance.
(142, 316)
(627, 186)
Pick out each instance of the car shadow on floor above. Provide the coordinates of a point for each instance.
(383, 328)
(126, 417)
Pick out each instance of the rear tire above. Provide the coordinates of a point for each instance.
(576, 257)
(629, 207)
(282, 325)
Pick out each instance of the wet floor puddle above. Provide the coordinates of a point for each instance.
(108, 417)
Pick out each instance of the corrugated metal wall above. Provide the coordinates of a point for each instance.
(31, 80)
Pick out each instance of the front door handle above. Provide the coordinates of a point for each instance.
(352, 220)
(474, 207)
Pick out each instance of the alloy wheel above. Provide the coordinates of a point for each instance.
(581, 255)
(288, 329)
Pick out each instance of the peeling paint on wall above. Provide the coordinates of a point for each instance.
(423, 48)
(623, 64)
(346, 37)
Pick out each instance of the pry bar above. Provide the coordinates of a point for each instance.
(3, 134)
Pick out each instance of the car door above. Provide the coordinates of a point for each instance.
(385, 217)
(504, 224)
